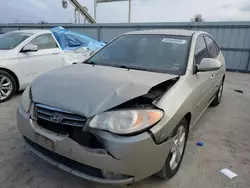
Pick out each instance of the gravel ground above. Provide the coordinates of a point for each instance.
(225, 131)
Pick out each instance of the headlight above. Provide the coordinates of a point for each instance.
(26, 99)
(126, 121)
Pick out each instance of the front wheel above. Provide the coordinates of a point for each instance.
(7, 86)
(176, 153)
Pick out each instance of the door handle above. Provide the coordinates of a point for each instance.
(55, 53)
(212, 77)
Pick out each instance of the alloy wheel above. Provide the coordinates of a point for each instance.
(5, 87)
(178, 147)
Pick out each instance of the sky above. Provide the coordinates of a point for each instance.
(33, 11)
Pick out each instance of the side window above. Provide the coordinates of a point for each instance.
(213, 50)
(45, 41)
(200, 50)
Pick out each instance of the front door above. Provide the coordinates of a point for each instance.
(214, 53)
(202, 81)
(48, 57)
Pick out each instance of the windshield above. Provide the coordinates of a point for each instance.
(11, 40)
(160, 53)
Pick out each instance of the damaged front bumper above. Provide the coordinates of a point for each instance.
(134, 157)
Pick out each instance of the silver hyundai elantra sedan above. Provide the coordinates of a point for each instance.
(125, 113)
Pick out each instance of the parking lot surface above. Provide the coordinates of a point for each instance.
(225, 131)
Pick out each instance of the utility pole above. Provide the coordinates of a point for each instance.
(85, 19)
(95, 5)
(75, 15)
(129, 11)
(79, 17)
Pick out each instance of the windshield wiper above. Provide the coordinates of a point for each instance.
(89, 62)
(119, 66)
(132, 67)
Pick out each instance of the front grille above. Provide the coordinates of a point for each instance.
(67, 118)
(66, 161)
(57, 128)
(74, 132)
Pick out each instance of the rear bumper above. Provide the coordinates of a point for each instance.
(136, 157)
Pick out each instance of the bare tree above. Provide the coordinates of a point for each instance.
(197, 18)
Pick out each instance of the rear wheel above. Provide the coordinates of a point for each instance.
(176, 153)
(7, 86)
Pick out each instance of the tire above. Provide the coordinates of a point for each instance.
(7, 86)
(168, 170)
(218, 95)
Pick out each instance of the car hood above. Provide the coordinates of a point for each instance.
(89, 90)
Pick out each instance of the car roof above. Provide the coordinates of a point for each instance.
(180, 32)
(33, 31)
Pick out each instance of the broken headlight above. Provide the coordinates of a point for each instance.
(26, 99)
(126, 121)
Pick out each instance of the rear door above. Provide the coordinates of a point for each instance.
(48, 57)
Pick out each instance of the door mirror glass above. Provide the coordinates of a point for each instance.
(29, 48)
(208, 64)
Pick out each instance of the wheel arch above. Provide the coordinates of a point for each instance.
(188, 117)
(14, 76)
(223, 78)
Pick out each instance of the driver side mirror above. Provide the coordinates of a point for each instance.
(29, 48)
(208, 64)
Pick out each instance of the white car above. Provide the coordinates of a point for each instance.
(24, 55)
